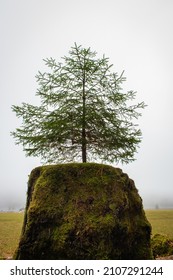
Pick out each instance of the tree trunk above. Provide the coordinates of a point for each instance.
(84, 146)
(84, 158)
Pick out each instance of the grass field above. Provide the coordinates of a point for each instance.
(11, 225)
(10, 229)
(161, 221)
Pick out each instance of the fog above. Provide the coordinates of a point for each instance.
(137, 37)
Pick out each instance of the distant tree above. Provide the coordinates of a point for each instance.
(84, 114)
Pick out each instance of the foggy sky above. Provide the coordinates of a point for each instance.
(137, 37)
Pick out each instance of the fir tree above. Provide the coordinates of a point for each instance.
(84, 113)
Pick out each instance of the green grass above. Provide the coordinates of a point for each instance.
(161, 221)
(11, 225)
(10, 229)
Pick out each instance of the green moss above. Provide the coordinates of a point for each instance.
(83, 211)
(161, 245)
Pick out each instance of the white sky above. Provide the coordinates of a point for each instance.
(136, 35)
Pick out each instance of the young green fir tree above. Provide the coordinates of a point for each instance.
(84, 113)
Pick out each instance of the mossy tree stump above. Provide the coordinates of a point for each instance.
(83, 211)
